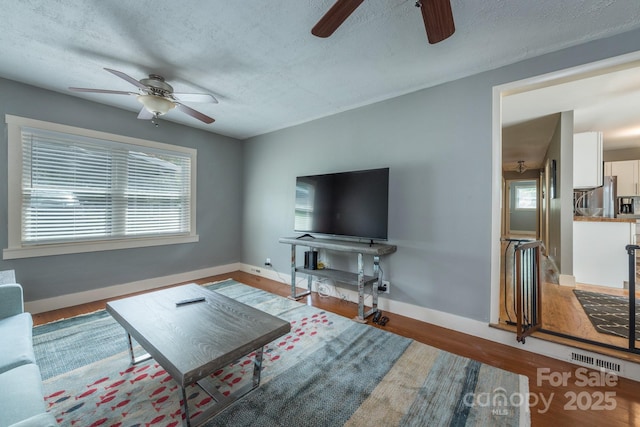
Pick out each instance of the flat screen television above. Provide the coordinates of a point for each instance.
(352, 204)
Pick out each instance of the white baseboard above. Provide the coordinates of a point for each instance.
(567, 280)
(460, 324)
(77, 298)
(446, 320)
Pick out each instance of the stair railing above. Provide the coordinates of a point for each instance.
(631, 251)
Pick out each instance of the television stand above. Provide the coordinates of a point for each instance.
(358, 278)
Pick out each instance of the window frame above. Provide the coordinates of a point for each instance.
(15, 249)
(517, 198)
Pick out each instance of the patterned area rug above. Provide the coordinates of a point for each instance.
(329, 371)
(609, 314)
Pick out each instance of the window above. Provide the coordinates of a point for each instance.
(526, 197)
(75, 190)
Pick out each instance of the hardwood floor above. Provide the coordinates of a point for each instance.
(614, 404)
(561, 311)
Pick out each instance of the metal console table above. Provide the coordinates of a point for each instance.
(359, 279)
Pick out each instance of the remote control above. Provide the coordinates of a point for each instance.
(190, 301)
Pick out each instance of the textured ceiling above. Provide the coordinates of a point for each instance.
(260, 60)
(608, 102)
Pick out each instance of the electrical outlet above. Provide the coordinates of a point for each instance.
(384, 289)
(267, 262)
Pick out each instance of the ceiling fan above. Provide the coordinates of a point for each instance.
(437, 16)
(157, 97)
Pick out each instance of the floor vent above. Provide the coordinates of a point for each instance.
(582, 358)
(609, 366)
(596, 362)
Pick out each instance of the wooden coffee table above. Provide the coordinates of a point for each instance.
(194, 340)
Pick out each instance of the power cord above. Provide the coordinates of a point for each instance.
(381, 288)
(324, 290)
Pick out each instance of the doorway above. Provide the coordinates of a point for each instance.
(563, 313)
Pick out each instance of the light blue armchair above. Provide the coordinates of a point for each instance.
(21, 393)
(11, 302)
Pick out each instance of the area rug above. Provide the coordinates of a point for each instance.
(328, 371)
(609, 314)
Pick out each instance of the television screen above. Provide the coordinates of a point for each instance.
(353, 204)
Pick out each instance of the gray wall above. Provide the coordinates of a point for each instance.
(219, 199)
(620, 155)
(560, 245)
(565, 185)
(437, 143)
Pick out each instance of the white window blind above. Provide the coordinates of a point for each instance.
(74, 190)
(78, 188)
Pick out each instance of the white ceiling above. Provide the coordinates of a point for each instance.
(608, 102)
(260, 60)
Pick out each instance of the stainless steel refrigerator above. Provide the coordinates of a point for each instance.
(600, 201)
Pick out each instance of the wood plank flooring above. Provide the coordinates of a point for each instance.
(561, 311)
(566, 399)
(565, 314)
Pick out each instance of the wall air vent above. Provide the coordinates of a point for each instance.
(595, 362)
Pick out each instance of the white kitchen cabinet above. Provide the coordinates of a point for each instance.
(587, 160)
(627, 173)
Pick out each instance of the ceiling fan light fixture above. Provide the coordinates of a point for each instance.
(156, 104)
(521, 168)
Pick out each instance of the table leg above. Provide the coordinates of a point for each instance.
(185, 408)
(135, 360)
(360, 316)
(257, 367)
(222, 402)
(293, 272)
(294, 295)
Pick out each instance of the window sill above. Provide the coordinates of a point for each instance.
(76, 248)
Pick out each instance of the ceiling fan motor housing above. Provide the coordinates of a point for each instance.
(157, 85)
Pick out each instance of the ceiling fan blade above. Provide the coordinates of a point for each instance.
(338, 13)
(438, 19)
(127, 78)
(115, 92)
(145, 114)
(195, 97)
(193, 113)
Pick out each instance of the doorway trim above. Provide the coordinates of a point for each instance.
(631, 60)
